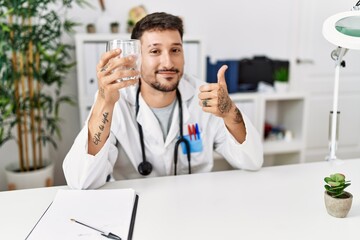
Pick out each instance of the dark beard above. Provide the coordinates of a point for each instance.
(165, 88)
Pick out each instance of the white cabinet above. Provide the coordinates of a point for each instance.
(90, 47)
(282, 110)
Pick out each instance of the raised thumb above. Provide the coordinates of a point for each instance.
(221, 75)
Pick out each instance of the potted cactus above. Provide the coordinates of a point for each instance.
(281, 79)
(337, 201)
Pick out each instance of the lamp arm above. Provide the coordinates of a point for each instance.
(338, 61)
(336, 53)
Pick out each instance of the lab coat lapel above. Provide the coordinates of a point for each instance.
(174, 127)
(149, 122)
(174, 131)
(187, 91)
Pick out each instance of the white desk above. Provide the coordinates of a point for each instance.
(284, 202)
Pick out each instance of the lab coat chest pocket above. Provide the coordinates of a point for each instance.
(200, 157)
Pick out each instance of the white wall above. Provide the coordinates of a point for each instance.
(230, 29)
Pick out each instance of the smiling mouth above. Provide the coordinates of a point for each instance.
(167, 71)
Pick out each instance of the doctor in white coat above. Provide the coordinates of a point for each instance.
(167, 123)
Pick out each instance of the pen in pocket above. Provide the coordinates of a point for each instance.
(197, 131)
(190, 131)
(193, 136)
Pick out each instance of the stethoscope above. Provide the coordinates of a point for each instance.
(145, 167)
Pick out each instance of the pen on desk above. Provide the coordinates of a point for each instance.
(103, 233)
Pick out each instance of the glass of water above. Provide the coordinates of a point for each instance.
(129, 47)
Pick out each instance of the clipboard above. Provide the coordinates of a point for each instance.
(112, 210)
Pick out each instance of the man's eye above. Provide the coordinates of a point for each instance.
(176, 50)
(155, 51)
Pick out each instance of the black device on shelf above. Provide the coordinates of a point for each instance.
(252, 71)
(245, 74)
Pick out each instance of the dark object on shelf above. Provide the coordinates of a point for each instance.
(253, 71)
(244, 75)
(272, 132)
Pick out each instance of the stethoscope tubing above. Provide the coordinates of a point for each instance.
(145, 167)
(181, 139)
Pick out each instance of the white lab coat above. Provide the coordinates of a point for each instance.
(121, 154)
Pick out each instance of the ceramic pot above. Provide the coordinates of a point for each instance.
(90, 28)
(281, 87)
(114, 29)
(43, 177)
(338, 207)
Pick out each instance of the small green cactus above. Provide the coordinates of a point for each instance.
(281, 75)
(336, 184)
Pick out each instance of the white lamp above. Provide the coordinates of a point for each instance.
(342, 30)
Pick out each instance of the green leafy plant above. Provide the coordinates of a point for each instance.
(335, 185)
(281, 75)
(114, 24)
(130, 23)
(33, 66)
(114, 27)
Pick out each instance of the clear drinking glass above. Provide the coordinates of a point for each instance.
(129, 47)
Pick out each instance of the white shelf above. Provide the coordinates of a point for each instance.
(283, 96)
(287, 110)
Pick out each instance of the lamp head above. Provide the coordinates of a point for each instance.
(343, 29)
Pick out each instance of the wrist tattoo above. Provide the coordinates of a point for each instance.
(97, 137)
(238, 116)
(102, 92)
(224, 105)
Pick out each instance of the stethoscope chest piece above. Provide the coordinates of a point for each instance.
(145, 168)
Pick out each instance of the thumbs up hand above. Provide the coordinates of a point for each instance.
(214, 97)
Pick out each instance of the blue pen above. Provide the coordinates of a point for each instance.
(197, 131)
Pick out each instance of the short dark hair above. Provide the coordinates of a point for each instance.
(157, 21)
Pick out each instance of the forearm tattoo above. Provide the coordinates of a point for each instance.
(104, 121)
(238, 116)
(224, 105)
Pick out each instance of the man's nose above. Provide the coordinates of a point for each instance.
(166, 61)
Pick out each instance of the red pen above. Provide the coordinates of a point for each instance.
(193, 130)
(190, 131)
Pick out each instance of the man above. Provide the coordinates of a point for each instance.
(168, 123)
